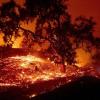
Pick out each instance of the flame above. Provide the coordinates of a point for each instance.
(31, 96)
(26, 60)
(17, 42)
(23, 68)
(21, 71)
(83, 57)
(1, 39)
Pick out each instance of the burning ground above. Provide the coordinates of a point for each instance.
(33, 75)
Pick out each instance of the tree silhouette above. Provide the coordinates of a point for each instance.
(54, 20)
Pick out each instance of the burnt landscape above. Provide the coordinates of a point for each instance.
(45, 55)
(19, 80)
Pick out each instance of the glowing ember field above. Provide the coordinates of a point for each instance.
(23, 71)
(26, 69)
(29, 69)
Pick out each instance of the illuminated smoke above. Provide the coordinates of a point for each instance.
(82, 57)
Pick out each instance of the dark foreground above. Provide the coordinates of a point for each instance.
(85, 88)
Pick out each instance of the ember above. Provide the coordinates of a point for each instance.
(27, 60)
(29, 68)
(26, 70)
(51, 48)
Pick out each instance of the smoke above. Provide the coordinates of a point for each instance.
(82, 57)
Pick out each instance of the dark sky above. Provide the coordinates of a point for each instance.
(86, 8)
(81, 7)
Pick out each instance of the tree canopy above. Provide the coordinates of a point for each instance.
(53, 20)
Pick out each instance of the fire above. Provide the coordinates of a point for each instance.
(31, 68)
(83, 57)
(33, 95)
(27, 60)
(28, 70)
(17, 42)
(1, 39)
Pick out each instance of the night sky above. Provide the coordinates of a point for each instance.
(86, 8)
(81, 7)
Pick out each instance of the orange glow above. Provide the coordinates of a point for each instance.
(29, 69)
(31, 25)
(26, 60)
(83, 57)
(4, 1)
(33, 95)
(20, 2)
(86, 8)
(34, 67)
(17, 41)
(1, 39)
(23, 71)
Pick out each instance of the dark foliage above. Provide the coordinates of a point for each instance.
(52, 17)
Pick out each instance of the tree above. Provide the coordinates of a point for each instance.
(54, 20)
